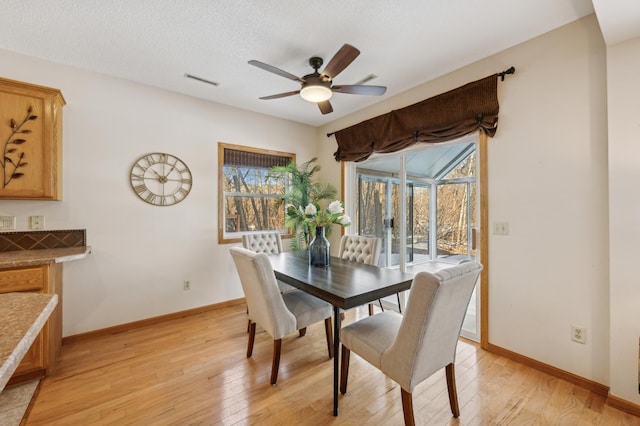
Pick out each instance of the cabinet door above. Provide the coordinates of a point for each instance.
(34, 358)
(22, 279)
(31, 279)
(31, 138)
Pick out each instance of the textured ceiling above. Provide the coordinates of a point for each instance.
(404, 43)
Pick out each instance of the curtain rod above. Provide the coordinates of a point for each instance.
(510, 70)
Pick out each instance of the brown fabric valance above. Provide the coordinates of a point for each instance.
(441, 118)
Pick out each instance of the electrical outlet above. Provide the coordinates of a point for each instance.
(501, 228)
(36, 222)
(186, 285)
(579, 334)
(7, 222)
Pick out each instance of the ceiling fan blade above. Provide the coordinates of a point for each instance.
(325, 107)
(340, 61)
(360, 89)
(275, 70)
(280, 95)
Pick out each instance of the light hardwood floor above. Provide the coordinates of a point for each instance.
(194, 371)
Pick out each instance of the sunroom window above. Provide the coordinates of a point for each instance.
(440, 192)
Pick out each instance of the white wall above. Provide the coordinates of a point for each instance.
(141, 253)
(548, 179)
(623, 69)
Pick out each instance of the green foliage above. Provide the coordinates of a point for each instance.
(302, 192)
(332, 215)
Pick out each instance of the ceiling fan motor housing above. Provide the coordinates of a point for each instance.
(315, 62)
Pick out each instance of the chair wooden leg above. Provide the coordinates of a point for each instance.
(329, 333)
(370, 309)
(399, 305)
(341, 316)
(407, 408)
(344, 369)
(248, 326)
(252, 338)
(277, 346)
(302, 331)
(453, 394)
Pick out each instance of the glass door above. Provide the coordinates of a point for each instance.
(377, 213)
(456, 237)
(418, 222)
(456, 219)
(437, 221)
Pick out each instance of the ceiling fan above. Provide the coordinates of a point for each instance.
(317, 87)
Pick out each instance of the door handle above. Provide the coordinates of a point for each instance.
(473, 238)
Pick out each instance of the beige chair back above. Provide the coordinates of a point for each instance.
(263, 242)
(360, 249)
(266, 306)
(428, 334)
(268, 243)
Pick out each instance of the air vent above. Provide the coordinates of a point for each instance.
(203, 80)
(367, 79)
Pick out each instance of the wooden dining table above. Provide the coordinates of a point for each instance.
(344, 284)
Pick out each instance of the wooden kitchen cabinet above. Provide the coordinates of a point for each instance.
(31, 139)
(40, 359)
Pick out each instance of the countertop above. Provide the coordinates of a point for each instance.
(21, 258)
(22, 316)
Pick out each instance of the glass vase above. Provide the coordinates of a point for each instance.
(319, 253)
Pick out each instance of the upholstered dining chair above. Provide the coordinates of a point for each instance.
(363, 250)
(410, 348)
(269, 243)
(278, 314)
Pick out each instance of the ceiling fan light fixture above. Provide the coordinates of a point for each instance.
(315, 93)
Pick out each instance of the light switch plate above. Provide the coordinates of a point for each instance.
(7, 222)
(501, 228)
(36, 222)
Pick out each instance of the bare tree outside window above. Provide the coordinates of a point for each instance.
(453, 196)
(456, 204)
(248, 200)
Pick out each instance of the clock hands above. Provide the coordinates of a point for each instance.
(161, 179)
(164, 179)
(173, 166)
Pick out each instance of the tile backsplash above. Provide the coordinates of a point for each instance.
(35, 240)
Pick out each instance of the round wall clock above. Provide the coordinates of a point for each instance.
(161, 179)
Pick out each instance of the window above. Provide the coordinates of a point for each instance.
(248, 201)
